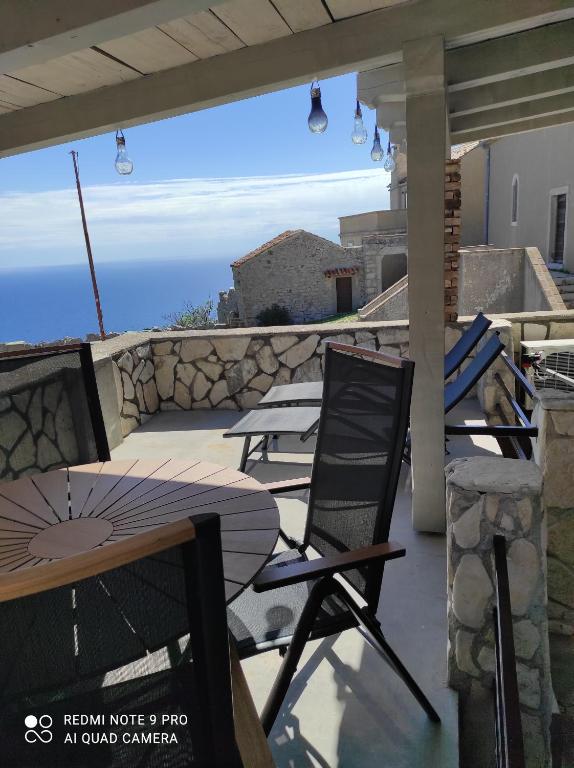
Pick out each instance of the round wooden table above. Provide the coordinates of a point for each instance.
(64, 512)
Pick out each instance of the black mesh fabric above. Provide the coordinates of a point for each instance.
(45, 420)
(109, 644)
(260, 619)
(357, 441)
(364, 417)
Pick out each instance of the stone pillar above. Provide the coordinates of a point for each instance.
(426, 137)
(452, 199)
(488, 496)
(554, 454)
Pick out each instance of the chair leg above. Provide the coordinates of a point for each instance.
(379, 643)
(245, 454)
(265, 448)
(291, 542)
(288, 668)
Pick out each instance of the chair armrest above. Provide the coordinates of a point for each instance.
(274, 576)
(284, 486)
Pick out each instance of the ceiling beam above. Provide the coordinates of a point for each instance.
(511, 56)
(520, 126)
(33, 31)
(551, 105)
(363, 42)
(550, 82)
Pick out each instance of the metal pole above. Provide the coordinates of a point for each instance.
(88, 247)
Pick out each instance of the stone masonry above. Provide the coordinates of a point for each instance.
(134, 375)
(488, 496)
(37, 431)
(234, 372)
(291, 271)
(554, 454)
(233, 369)
(452, 202)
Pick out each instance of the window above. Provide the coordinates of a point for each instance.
(557, 224)
(514, 210)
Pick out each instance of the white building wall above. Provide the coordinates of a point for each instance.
(543, 160)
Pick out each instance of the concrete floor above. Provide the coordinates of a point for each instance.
(345, 707)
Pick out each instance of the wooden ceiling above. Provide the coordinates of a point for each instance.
(225, 27)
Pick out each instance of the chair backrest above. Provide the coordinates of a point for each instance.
(456, 356)
(50, 414)
(114, 633)
(360, 442)
(455, 390)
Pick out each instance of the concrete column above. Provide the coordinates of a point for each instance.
(426, 141)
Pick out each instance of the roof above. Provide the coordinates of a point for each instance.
(458, 151)
(58, 53)
(266, 246)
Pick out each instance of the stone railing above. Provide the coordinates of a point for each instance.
(232, 369)
(486, 497)
(224, 369)
(539, 326)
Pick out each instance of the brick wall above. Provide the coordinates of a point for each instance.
(452, 197)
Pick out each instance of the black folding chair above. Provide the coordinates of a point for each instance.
(50, 413)
(456, 356)
(456, 390)
(99, 635)
(311, 392)
(303, 421)
(361, 436)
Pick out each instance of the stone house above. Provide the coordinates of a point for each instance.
(310, 276)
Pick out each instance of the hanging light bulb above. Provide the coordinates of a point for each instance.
(124, 165)
(377, 151)
(359, 135)
(389, 164)
(317, 120)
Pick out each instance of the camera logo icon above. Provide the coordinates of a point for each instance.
(38, 729)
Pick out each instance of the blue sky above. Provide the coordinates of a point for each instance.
(210, 184)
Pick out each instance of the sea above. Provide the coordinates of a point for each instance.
(48, 303)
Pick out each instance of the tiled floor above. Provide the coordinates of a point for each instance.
(345, 707)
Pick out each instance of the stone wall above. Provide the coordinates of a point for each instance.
(486, 497)
(452, 201)
(539, 326)
(490, 280)
(554, 454)
(234, 368)
(134, 376)
(37, 431)
(501, 280)
(234, 372)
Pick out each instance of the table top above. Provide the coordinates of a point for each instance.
(57, 514)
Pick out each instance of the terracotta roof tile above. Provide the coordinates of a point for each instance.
(265, 247)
